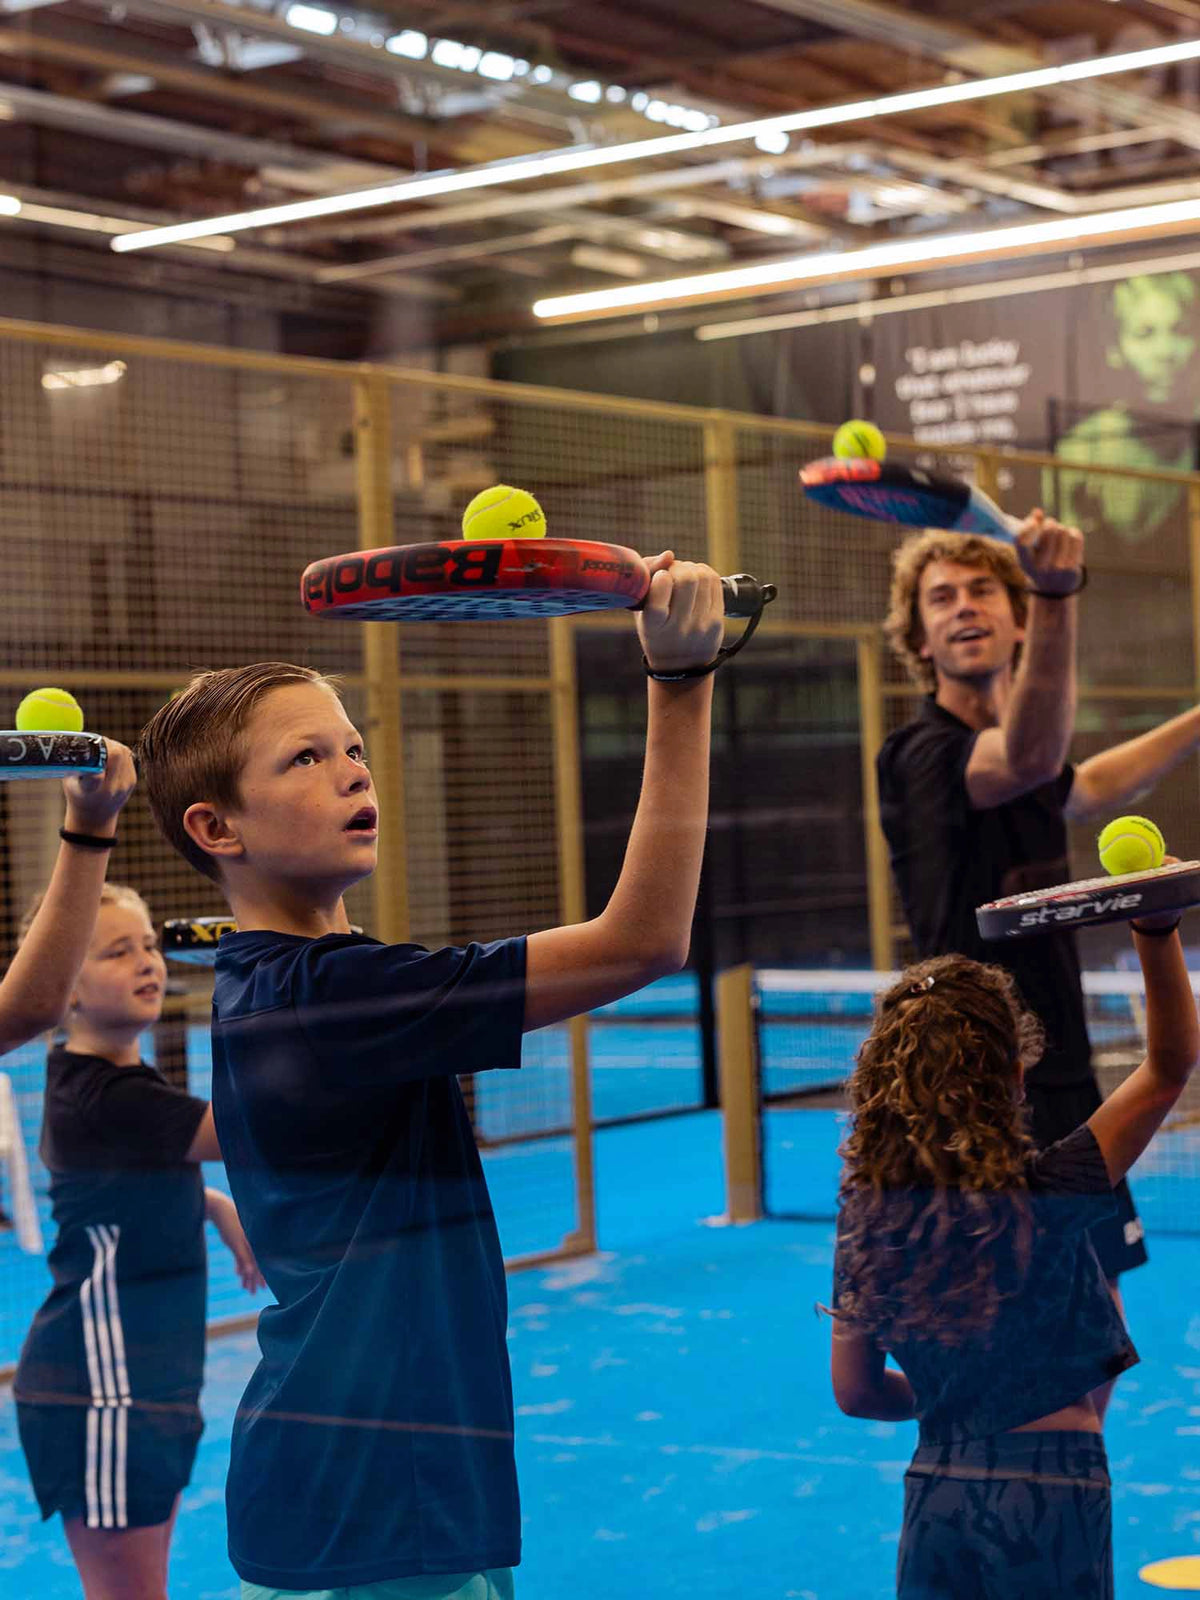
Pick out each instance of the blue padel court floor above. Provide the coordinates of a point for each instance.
(676, 1434)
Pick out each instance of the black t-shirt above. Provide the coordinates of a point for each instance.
(948, 858)
(1058, 1337)
(125, 1318)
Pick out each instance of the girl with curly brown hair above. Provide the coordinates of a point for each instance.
(963, 1253)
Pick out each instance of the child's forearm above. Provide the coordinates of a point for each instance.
(1172, 1028)
(893, 1400)
(37, 987)
(889, 1399)
(651, 907)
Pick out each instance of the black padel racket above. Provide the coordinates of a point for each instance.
(51, 755)
(1091, 901)
(905, 495)
(462, 579)
(193, 940)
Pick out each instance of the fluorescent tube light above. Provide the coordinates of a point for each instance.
(311, 19)
(84, 377)
(901, 255)
(573, 159)
(410, 43)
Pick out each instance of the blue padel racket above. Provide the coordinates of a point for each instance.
(462, 579)
(193, 940)
(908, 496)
(51, 755)
(1091, 901)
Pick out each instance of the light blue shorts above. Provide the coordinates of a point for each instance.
(494, 1585)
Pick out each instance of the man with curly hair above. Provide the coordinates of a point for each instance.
(977, 790)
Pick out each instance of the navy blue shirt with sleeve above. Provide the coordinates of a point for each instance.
(949, 857)
(1053, 1341)
(375, 1438)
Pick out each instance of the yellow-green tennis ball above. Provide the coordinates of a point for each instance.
(1131, 844)
(503, 512)
(859, 439)
(49, 711)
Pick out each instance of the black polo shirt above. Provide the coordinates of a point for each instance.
(948, 857)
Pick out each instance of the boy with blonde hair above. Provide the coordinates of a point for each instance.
(373, 1450)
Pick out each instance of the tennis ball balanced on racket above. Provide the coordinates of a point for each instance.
(1131, 844)
(49, 711)
(503, 512)
(859, 440)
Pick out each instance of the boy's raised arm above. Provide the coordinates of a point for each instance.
(37, 986)
(644, 931)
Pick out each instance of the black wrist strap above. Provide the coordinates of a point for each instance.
(86, 841)
(1078, 589)
(683, 673)
(1156, 933)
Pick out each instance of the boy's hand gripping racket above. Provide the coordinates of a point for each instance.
(1091, 901)
(51, 755)
(462, 579)
(906, 495)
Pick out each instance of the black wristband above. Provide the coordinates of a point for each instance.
(1157, 933)
(86, 841)
(1078, 589)
(684, 672)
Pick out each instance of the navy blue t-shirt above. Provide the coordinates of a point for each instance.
(375, 1438)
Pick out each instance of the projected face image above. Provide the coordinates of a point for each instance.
(1156, 335)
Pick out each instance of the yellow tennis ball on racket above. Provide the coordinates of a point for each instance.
(1131, 844)
(49, 711)
(859, 439)
(503, 512)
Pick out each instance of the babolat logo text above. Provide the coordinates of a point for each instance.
(601, 566)
(1071, 913)
(408, 567)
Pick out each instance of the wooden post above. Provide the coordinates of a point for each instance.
(572, 894)
(870, 733)
(720, 492)
(740, 1115)
(381, 658)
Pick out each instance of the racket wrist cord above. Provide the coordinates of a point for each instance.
(87, 841)
(1157, 933)
(1078, 589)
(682, 674)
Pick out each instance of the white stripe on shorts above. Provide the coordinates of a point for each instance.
(89, 1340)
(101, 1304)
(106, 1468)
(112, 1236)
(89, 1472)
(122, 1453)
